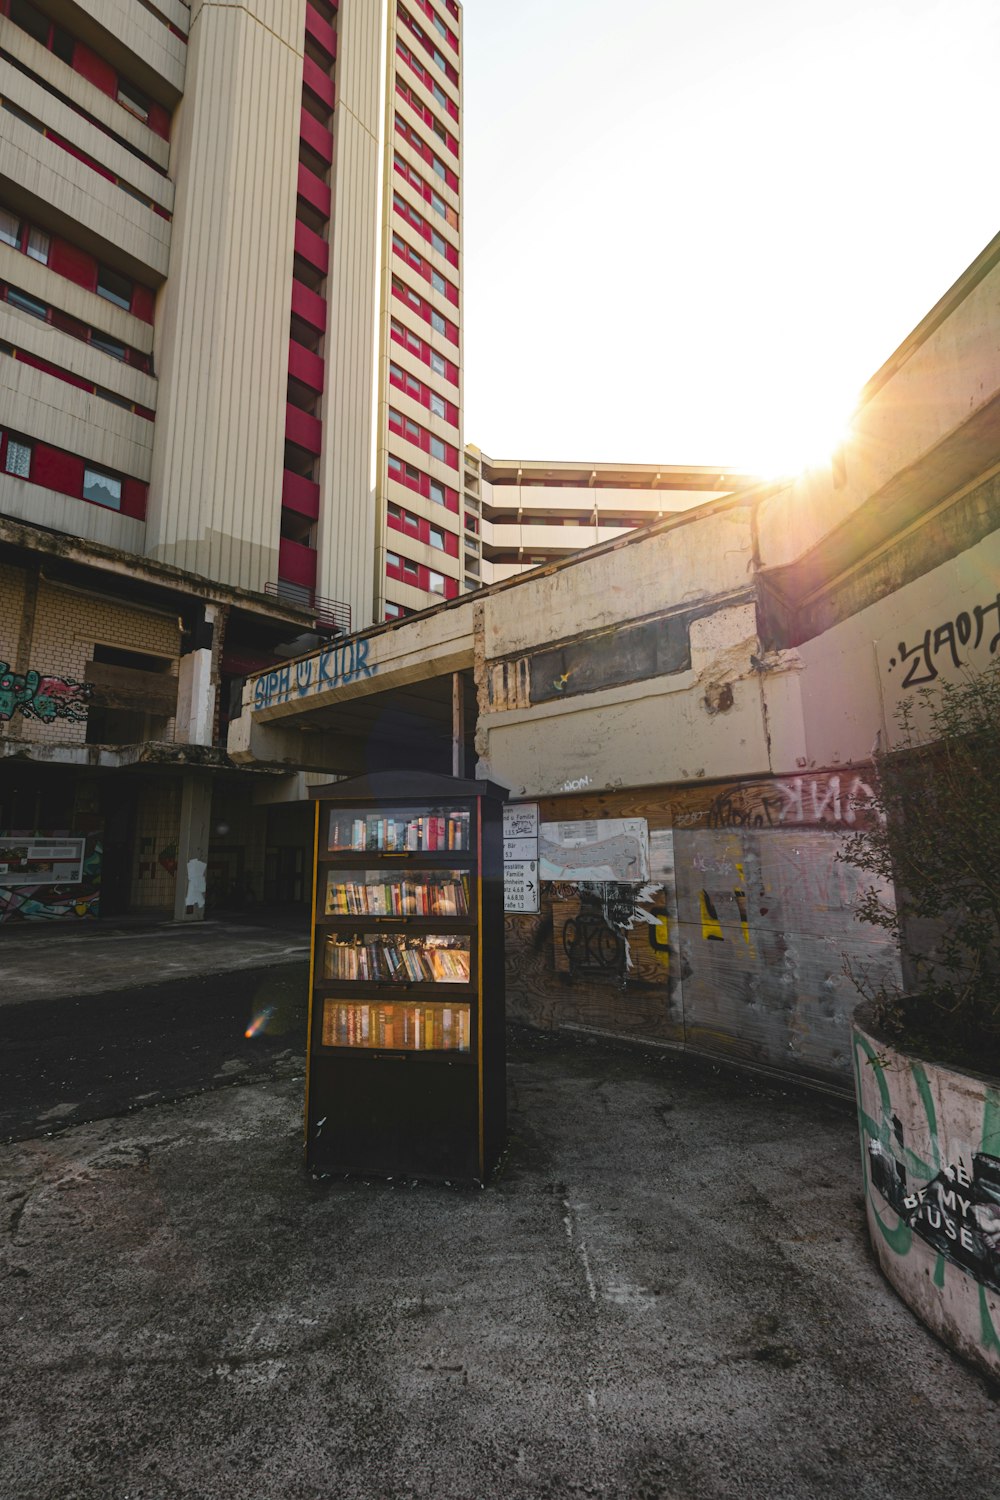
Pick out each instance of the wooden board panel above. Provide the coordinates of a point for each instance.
(126, 687)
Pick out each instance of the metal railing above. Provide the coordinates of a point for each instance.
(330, 616)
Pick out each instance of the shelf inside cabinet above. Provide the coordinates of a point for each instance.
(396, 1025)
(372, 890)
(397, 830)
(396, 958)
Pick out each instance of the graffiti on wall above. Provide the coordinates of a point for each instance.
(951, 640)
(69, 900)
(926, 1193)
(38, 697)
(794, 801)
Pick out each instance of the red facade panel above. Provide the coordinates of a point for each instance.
(300, 495)
(306, 366)
(303, 430)
(76, 265)
(317, 82)
(312, 247)
(314, 191)
(134, 497)
(309, 306)
(95, 70)
(143, 303)
(316, 135)
(296, 563)
(321, 32)
(57, 470)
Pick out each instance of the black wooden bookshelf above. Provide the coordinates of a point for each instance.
(406, 1052)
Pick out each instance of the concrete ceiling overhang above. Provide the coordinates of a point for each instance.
(382, 694)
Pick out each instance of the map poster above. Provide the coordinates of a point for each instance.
(600, 849)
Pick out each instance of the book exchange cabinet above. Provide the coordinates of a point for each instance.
(406, 1062)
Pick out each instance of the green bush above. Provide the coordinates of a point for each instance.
(935, 838)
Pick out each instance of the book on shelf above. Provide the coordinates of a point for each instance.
(415, 833)
(411, 1028)
(393, 959)
(447, 894)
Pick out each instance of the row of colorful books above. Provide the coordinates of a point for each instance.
(448, 895)
(426, 833)
(396, 961)
(407, 1028)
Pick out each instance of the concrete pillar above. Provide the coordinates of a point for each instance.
(192, 847)
(195, 721)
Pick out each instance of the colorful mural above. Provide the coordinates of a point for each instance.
(44, 698)
(75, 900)
(930, 1139)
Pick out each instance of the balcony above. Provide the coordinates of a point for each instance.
(309, 306)
(331, 616)
(305, 366)
(296, 564)
(300, 495)
(303, 430)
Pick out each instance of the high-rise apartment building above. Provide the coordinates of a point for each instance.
(520, 514)
(230, 404)
(231, 279)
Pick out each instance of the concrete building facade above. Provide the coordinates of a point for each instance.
(700, 700)
(230, 359)
(520, 513)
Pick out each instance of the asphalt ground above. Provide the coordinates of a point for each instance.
(666, 1295)
(87, 1056)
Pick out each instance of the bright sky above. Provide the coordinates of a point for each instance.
(694, 228)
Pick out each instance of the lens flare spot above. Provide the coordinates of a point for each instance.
(259, 1022)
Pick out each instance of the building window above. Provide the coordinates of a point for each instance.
(38, 246)
(134, 100)
(438, 323)
(437, 404)
(435, 582)
(439, 242)
(441, 27)
(439, 206)
(409, 567)
(412, 430)
(392, 559)
(395, 419)
(26, 304)
(438, 165)
(108, 345)
(410, 521)
(395, 465)
(10, 228)
(436, 538)
(18, 458)
(102, 489)
(393, 611)
(395, 373)
(413, 473)
(438, 364)
(437, 493)
(115, 288)
(395, 514)
(438, 283)
(438, 449)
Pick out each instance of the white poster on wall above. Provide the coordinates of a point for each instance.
(598, 849)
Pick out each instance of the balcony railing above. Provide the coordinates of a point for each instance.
(330, 616)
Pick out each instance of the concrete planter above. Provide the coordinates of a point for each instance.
(930, 1150)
